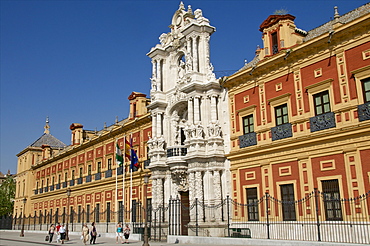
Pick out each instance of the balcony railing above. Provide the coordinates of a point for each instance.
(363, 111)
(36, 191)
(88, 178)
(281, 131)
(79, 181)
(176, 151)
(64, 184)
(57, 186)
(248, 139)
(46, 189)
(108, 173)
(72, 182)
(322, 122)
(97, 176)
(146, 163)
(41, 190)
(51, 188)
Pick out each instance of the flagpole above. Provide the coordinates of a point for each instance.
(116, 195)
(123, 179)
(131, 177)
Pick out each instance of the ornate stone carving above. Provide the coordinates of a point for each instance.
(214, 130)
(180, 178)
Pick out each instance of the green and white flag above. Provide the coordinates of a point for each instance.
(119, 157)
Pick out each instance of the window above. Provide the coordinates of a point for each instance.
(288, 204)
(248, 126)
(108, 212)
(64, 215)
(149, 209)
(88, 213)
(97, 209)
(331, 196)
(134, 110)
(59, 178)
(321, 102)
(73, 174)
(56, 215)
(366, 89)
(81, 172)
(99, 167)
(79, 214)
(110, 164)
(252, 201)
(89, 170)
(71, 214)
(120, 213)
(53, 181)
(65, 176)
(274, 40)
(281, 114)
(134, 204)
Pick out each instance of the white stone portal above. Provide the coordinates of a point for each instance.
(189, 113)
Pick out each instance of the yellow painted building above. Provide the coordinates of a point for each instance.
(98, 189)
(300, 129)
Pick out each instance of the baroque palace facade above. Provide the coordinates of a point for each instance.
(281, 141)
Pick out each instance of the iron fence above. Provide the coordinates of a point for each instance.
(316, 217)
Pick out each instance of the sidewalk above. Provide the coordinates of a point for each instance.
(11, 237)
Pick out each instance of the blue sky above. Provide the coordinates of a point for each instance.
(78, 61)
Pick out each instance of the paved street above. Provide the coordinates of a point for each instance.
(11, 238)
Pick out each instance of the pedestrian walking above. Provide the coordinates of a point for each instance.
(57, 232)
(85, 233)
(126, 233)
(51, 232)
(62, 233)
(119, 232)
(93, 233)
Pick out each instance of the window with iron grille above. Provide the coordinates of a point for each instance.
(252, 201)
(366, 89)
(79, 214)
(321, 102)
(149, 209)
(134, 204)
(248, 125)
(120, 212)
(97, 210)
(281, 114)
(70, 214)
(108, 212)
(64, 215)
(331, 196)
(288, 204)
(88, 213)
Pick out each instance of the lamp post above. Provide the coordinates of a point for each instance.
(24, 211)
(69, 212)
(146, 181)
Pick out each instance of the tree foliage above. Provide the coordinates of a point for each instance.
(7, 194)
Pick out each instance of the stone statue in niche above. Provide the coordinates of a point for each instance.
(154, 84)
(181, 69)
(189, 64)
